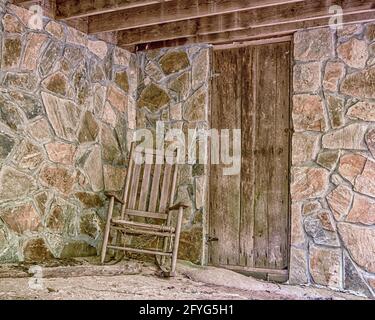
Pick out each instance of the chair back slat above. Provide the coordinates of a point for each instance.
(134, 187)
(155, 187)
(145, 187)
(174, 185)
(164, 196)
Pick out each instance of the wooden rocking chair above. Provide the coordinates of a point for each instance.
(149, 193)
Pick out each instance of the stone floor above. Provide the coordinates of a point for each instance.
(192, 282)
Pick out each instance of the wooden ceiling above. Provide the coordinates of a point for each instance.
(146, 24)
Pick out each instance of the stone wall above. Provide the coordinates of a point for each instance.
(333, 172)
(173, 89)
(66, 103)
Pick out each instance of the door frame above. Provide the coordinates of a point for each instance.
(265, 274)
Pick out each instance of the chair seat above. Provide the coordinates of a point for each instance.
(149, 226)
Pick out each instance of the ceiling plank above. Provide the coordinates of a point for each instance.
(80, 24)
(260, 32)
(73, 9)
(173, 11)
(236, 21)
(24, 2)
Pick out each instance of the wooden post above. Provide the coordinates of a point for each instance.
(176, 241)
(107, 228)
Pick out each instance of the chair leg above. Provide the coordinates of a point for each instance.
(107, 228)
(176, 241)
(165, 248)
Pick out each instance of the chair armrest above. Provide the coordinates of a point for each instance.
(113, 195)
(179, 205)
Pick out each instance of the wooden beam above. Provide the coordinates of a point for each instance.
(24, 3)
(173, 11)
(73, 9)
(261, 32)
(236, 21)
(80, 24)
(287, 38)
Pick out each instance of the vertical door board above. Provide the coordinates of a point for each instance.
(279, 227)
(247, 162)
(226, 115)
(263, 148)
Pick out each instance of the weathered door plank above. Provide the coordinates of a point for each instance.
(278, 218)
(226, 115)
(248, 160)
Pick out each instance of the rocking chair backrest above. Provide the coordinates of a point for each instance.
(149, 188)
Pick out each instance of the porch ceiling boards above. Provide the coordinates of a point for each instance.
(145, 24)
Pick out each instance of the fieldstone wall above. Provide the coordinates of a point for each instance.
(333, 172)
(173, 89)
(66, 104)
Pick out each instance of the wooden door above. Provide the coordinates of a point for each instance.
(249, 212)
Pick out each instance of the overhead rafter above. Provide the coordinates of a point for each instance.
(236, 21)
(73, 9)
(260, 32)
(24, 2)
(167, 12)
